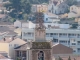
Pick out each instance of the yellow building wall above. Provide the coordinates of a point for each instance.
(42, 8)
(4, 47)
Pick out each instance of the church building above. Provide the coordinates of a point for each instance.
(40, 48)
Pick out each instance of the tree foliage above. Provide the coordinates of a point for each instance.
(18, 7)
(71, 2)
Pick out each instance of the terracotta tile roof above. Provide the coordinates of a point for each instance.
(61, 49)
(5, 29)
(7, 40)
(5, 23)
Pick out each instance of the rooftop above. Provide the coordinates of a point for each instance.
(61, 49)
(7, 40)
(7, 30)
(41, 45)
(5, 23)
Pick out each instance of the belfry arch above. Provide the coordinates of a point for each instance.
(41, 55)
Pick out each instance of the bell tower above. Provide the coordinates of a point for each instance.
(39, 33)
(41, 49)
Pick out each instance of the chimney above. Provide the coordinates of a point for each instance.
(12, 38)
(4, 39)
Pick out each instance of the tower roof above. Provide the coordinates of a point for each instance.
(41, 45)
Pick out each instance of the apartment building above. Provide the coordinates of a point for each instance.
(68, 37)
(39, 7)
(57, 6)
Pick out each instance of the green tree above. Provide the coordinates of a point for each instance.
(14, 7)
(12, 20)
(26, 6)
(25, 16)
(18, 7)
(69, 58)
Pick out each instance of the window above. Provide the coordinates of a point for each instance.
(24, 54)
(61, 41)
(73, 43)
(71, 35)
(78, 35)
(68, 42)
(49, 26)
(60, 34)
(15, 45)
(55, 33)
(63, 35)
(78, 42)
(78, 49)
(29, 33)
(47, 34)
(17, 53)
(41, 55)
(55, 40)
(46, 19)
(49, 10)
(74, 50)
(51, 34)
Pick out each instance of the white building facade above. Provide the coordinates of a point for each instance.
(49, 17)
(68, 37)
(57, 6)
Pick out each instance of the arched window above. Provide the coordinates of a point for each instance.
(41, 55)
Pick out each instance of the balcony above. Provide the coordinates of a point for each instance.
(20, 55)
(63, 36)
(72, 36)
